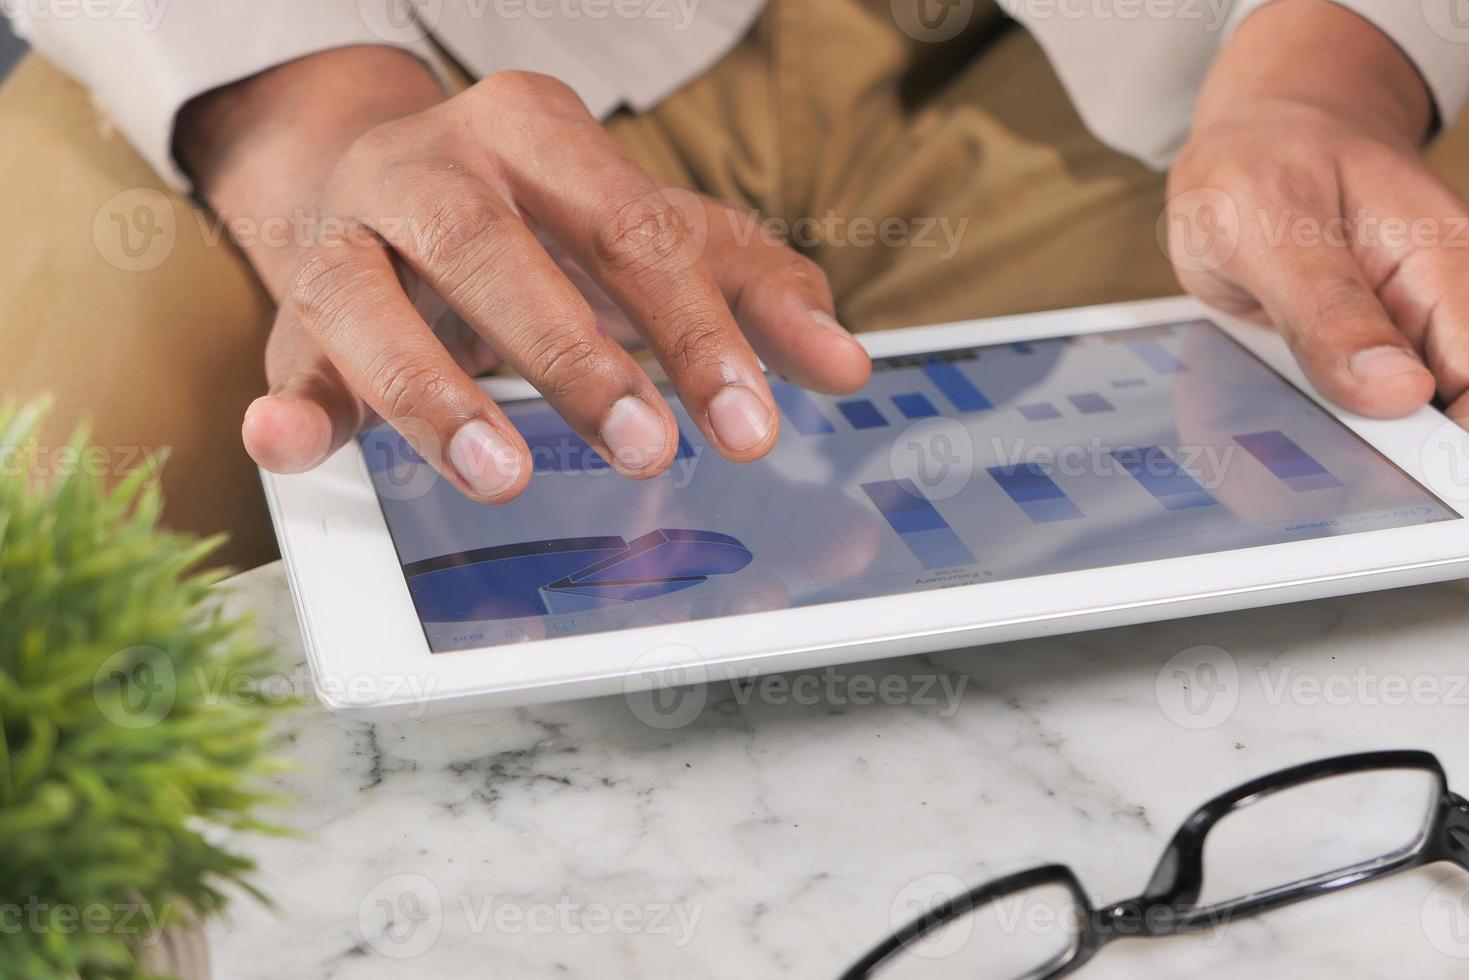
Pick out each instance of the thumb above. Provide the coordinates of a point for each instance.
(309, 411)
(1342, 336)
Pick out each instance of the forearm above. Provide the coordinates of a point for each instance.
(1316, 56)
(258, 150)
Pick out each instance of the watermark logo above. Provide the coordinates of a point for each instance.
(1446, 461)
(147, 14)
(135, 230)
(1446, 916)
(398, 470)
(933, 21)
(667, 687)
(400, 21)
(1199, 229)
(920, 896)
(1211, 14)
(402, 916)
(135, 688)
(937, 454)
(1198, 688)
(666, 230)
(1449, 19)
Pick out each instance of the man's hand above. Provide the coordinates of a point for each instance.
(1301, 199)
(407, 191)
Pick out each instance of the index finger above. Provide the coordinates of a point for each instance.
(617, 222)
(347, 297)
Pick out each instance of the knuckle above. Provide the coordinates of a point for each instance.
(456, 233)
(371, 150)
(564, 362)
(804, 273)
(699, 343)
(642, 235)
(1295, 183)
(325, 285)
(514, 85)
(407, 387)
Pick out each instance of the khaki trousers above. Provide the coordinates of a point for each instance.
(932, 182)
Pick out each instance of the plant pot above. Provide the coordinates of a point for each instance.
(181, 951)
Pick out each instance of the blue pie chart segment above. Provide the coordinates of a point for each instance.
(502, 582)
(565, 575)
(668, 554)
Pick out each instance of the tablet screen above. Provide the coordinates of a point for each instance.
(951, 468)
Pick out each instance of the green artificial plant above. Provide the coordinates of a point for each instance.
(133, 728)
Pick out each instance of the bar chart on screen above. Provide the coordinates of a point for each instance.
(1068, 456)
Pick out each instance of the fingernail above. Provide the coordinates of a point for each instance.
(1377, 363)
(633, 433)
(739, 418)
(826, 320)
(484, 458)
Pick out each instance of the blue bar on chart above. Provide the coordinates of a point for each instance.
(915, 405)
(920, 525)
(1157, 357)
(1090, 403)
(1032, 488)
(802, 410)
(1038, 412)
(1152, 467)
(862, 414)
(1128, 383)
(956, 387)
(1288, 461)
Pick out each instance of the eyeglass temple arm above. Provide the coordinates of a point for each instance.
(1453, 842)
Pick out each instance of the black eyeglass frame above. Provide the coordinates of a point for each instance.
(1168, 904)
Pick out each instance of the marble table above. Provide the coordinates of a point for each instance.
(787, 825)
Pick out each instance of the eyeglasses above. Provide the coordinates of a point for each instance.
(1295, 834)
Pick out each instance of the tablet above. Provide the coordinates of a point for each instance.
(995, 479)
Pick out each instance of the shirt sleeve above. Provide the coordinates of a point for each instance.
(1426, 32)
(147, 58)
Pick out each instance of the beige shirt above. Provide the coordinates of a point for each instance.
(1133, 67)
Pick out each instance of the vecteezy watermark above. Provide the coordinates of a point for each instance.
(135, 230)
(933, 21)
(1199, 230)
(841, 688)
(139, 922)
(1445, 460)
(138, 687)
(403, 916)
(1201, 687)
(1044, 920)
(1449, 19)
(834, 230)
(408, 21)
(1212, 14)
(669, 687)
(1362, 230)
(1198, 688)
(1445, 916)
(52, 462)
(1207, 465)
(147, 14)
(937, 454)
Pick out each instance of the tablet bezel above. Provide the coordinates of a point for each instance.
(367, 648)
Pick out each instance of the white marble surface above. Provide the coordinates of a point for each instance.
(777, 835)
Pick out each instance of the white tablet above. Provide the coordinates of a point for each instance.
(996, 479)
